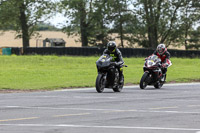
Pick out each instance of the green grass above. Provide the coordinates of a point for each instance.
(53, 72)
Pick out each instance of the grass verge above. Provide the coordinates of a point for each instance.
(55, 72)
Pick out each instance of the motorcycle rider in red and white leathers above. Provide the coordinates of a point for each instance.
(164, 55)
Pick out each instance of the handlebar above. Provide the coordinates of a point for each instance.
(116, 64)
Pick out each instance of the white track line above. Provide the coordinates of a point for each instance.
(108, 127)
(182, 84)
(111, 110)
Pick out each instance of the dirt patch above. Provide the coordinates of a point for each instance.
(8, 39)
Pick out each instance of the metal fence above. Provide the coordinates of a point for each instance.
(93, 51)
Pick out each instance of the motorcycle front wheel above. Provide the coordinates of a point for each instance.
(143, 83)
(100, 83)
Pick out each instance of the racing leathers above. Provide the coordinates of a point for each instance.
(118, 59)
(164, 59)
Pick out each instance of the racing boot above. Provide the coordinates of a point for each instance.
(163, 77)
(164, 70)
(121, 79)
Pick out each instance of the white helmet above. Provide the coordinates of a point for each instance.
(161, 49)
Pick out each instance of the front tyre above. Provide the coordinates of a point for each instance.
(100, 83)
(143, 83)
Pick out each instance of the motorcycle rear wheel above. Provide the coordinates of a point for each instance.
(119, 87)
(143, 84)
(100, 83)
(158, 86)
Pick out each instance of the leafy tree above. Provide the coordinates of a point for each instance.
(79, 17)
(194, 41)
(100, 23)
(88, 19)
(23, 16)
(146, 22)
(119, 15)
(94, 20)
(46, 27)
(190, 16)
(157, 21)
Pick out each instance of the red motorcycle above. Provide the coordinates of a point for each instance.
(153, 73)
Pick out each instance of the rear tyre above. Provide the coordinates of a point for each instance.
(143, 83)
(100, 83)
(119, 87)
(160, 84)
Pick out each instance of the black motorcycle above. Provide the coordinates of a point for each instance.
(152, 73)
(108, 75)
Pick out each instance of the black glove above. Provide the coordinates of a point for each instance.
(116, 63)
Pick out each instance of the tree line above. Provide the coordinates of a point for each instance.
(143, 22)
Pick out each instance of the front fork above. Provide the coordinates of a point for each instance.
(158, 74)
(104, 79)
(149, 77)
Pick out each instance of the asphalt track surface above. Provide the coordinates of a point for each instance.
(173, 109)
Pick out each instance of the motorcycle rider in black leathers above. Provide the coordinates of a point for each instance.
(113, 51)
(164, 55)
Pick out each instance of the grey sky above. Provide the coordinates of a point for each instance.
(58, 20)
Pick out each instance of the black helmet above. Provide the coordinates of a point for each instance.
(111, 46)
(161, 49)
